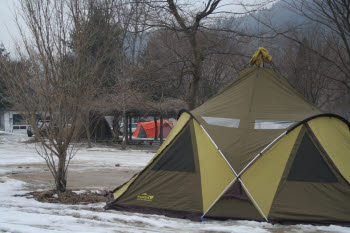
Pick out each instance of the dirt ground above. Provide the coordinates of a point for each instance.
(82, 174)
(107, 178)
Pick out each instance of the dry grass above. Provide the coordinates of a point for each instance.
(69, 197)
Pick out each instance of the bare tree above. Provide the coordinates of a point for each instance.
(310, 76)
(166, 67)
(307, 72)
(106, 45)
(191, 30)
(333, 17)
(318, 69)
(51, 81)
(188, 25)
(4, 62)
(132, 17)
(193, 24)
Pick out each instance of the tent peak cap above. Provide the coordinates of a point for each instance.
(260, 54)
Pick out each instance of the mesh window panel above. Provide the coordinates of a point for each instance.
(263, 124)
(309, 165)
(179, 156)
(219, 121)
(142, 133)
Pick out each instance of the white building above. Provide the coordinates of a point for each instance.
(12, 122)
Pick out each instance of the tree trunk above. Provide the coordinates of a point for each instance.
(155, 129)
(116, 125)
(60, 179)
(197, 74)
(87, 129)
(161, 129)
(130, 128)
(193, 100)
(125, 127)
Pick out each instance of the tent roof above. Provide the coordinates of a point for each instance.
(257, 95)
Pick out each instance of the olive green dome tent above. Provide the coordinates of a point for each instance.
(257, 150)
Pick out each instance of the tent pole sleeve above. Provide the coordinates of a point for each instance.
(223, 156)
(251, 197)
(216, 200)
(260, 154)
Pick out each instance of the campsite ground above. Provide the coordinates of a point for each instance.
(22, 171)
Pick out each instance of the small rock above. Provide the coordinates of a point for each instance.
(27, 167)
(20, 167)
(14, 173)
(117, 165)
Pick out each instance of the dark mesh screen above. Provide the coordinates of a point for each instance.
(308, 165)
(142, 133)
(179, 156)
(236, 191)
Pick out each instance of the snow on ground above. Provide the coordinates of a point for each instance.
(15, 152)
(20, 214)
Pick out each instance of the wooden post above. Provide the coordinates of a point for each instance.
(155, 128)
(126, 127)
(130, 127)
(125, 122)
(161, 129)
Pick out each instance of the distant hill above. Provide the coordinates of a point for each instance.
(280, 15)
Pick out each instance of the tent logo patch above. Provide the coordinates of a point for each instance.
(145, 197)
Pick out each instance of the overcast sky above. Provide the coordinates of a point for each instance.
(7, 23)
(9, 31)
